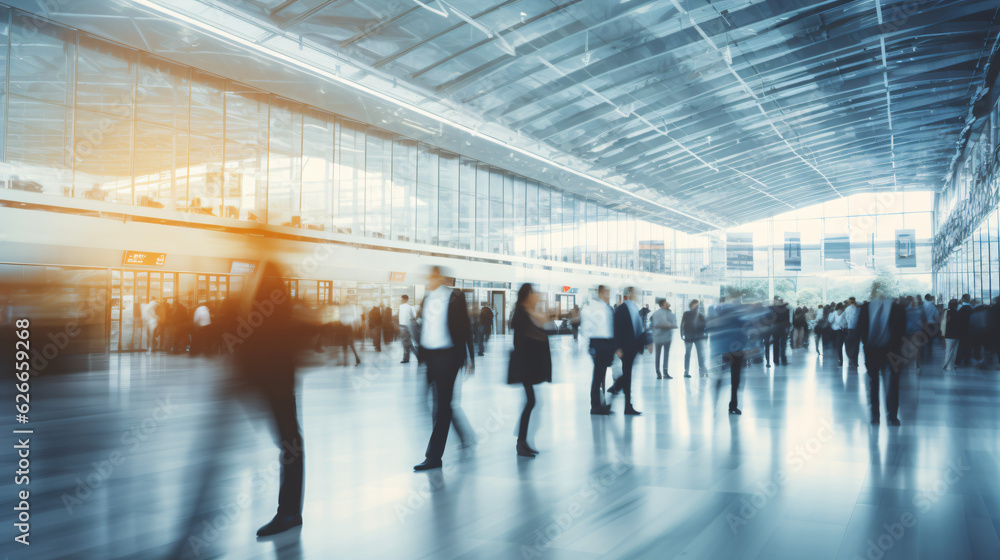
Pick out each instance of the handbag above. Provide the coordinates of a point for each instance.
(616, 368)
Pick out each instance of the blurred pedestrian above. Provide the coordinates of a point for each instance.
(531, 360)
(663, 323)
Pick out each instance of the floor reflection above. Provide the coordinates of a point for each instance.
(124, 458)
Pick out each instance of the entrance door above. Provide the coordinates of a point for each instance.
(130, 291)
(498, 302)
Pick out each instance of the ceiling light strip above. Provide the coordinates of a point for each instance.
(404, 104)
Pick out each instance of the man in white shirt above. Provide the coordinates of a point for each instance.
(202, 320)
(597, 320)
(407, 316)
(444, 344)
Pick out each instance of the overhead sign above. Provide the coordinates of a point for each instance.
(739, 251)
(243, 267)
(142, 258)
(793, 250)
(397, 277)
(837, 251)
(906, 248)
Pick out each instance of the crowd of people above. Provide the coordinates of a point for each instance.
(446, 335)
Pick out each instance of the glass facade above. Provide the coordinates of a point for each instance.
(843, 245)
(89, 119)
(968, 211)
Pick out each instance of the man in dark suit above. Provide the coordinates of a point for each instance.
(882, 326)
(960, 325)
(779, 334)
(445, 345)
(629, 339)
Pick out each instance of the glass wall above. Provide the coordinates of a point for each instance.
(86, 118)
(831, 251)
(967, 245)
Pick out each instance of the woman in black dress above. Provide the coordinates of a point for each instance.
(531, 361)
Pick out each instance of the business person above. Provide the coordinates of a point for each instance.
(629, 341)
(265, 366)
(882, 326)
(445, 344)
(407, 320)
(663, 323)
(597, 319)
(531, 360)
(693, 334)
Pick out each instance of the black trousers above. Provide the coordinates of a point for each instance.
(529, 404)
(666, 355)
(838, 344)
(876, 361)
(601, 351)
(778, 339)
(736, 361)
(282, 406)
(624, 382)
(442, 371)
(852, 346)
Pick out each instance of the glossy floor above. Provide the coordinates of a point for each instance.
(120, 460)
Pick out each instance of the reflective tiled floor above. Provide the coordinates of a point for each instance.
(120, 462)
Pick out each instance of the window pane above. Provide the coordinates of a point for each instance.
(496, 240)
(404, 188)
(531, 231)
(427, 186)
(317, 171)
(467, 204)
(556, 237)
(520, 218)
(245, 173)
(350, 177)
(447, 235)
(377, 180)
(161, 134)
(545, 222)
(205, 153)
(40, 113)
(482, 207)
(284, 164)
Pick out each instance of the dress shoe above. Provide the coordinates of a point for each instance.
(658, 376)
(279, 524)
(405, 362)
(665, 376)
(632, 412)
(734, 410)
(894, 421)
(602, 411)
(427, 465)
(876, 421)
(614, 390)
(523, 450)
(687, 375)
